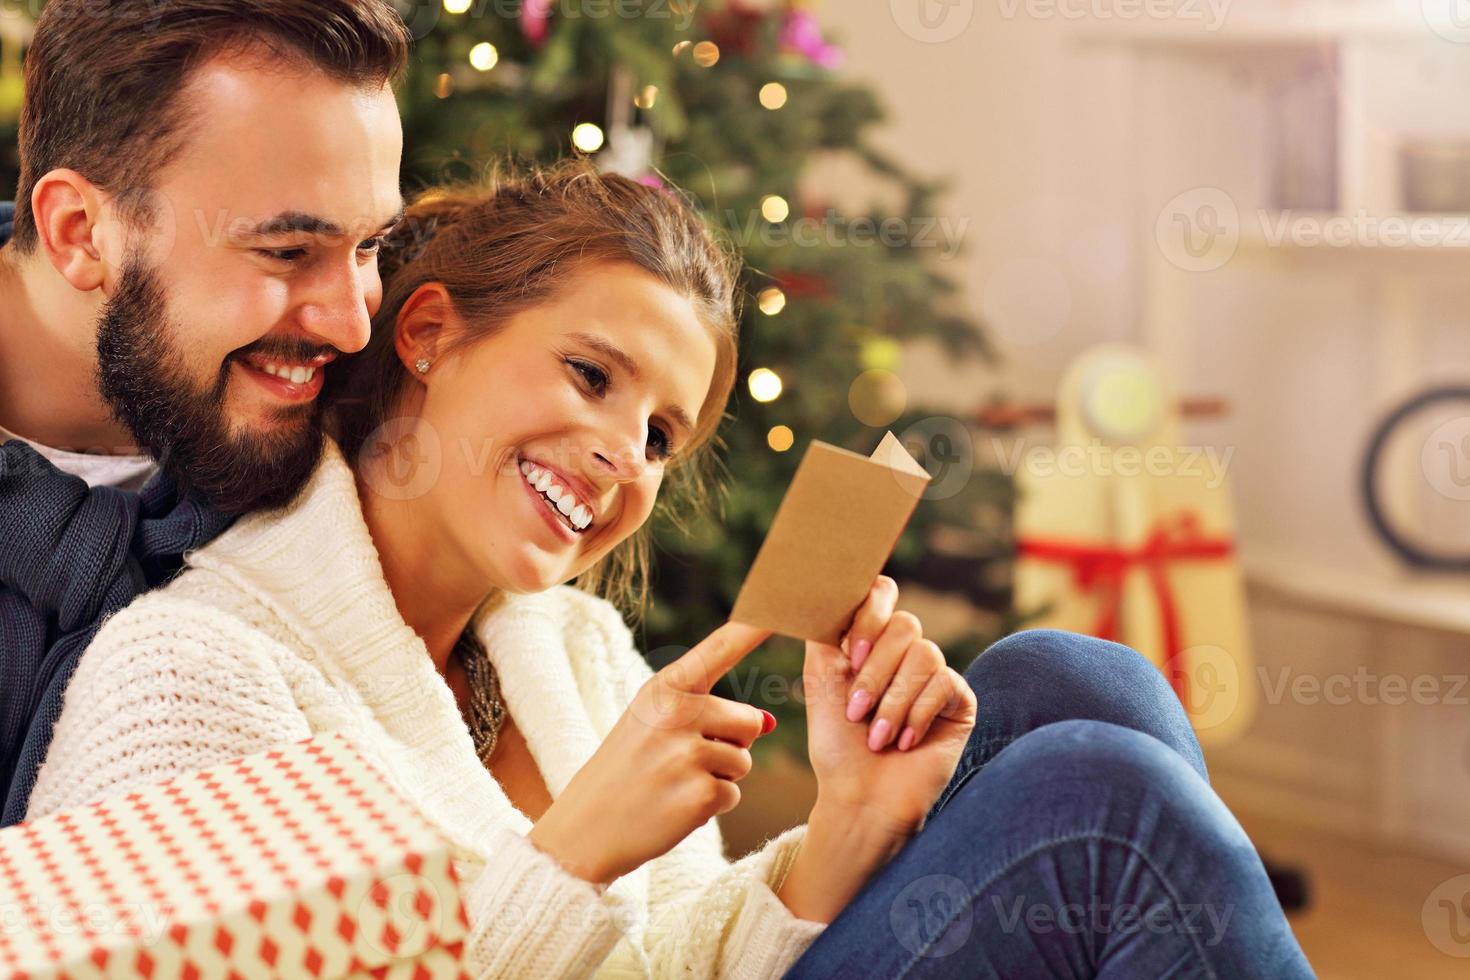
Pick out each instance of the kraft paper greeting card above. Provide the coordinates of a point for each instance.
(832, 534)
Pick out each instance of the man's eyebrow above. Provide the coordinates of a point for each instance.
(299, 222)
(621, 358)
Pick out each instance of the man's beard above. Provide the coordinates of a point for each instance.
(145, 380)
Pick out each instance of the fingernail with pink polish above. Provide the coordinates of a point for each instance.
(906, 740)
(857, 705)
(860, 650)
(878, 737)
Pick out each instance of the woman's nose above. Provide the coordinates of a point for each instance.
(625, 463)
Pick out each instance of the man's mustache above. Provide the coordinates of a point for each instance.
(284, 349)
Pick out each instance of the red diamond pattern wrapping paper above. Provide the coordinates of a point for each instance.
(302, 861)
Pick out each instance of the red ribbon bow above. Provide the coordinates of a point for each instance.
(1102, 569)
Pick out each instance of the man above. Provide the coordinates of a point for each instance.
(204, 187)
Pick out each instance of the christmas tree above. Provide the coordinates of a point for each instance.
(731, 102)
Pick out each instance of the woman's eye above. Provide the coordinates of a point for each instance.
(595, 376)
(372, 246)
(665, 446)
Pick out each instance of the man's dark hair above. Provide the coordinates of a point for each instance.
(103, 77)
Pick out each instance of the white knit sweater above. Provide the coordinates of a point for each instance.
(284, 628)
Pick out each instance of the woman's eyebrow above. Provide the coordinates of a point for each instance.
(621, 358)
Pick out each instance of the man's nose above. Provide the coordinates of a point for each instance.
(335, 310)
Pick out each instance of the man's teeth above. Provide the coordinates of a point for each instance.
(578, 515)
(297, 375)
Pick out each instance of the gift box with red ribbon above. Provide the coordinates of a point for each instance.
(1126, 531)
(301, 861)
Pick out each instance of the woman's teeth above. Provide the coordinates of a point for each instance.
(577, 515)
(296, 375)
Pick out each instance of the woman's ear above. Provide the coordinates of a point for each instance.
(424, 326)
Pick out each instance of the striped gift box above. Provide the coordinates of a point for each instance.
(302, 861)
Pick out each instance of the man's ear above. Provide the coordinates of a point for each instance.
(425, 324)
(71, 230)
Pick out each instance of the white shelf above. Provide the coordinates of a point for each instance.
(1250, 31)
(1429, 601)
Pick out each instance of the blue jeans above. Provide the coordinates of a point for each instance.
(1078, 837)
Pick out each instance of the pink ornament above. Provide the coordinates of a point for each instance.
(802, 33)
(534, 17)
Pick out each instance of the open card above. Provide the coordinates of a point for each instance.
(831, 536)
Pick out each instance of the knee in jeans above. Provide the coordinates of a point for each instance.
(1050, 657)
(1111, 762)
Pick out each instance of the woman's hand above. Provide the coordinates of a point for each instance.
(669, 764)
(885, 726)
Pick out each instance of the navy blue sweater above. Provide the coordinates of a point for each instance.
(70, 556)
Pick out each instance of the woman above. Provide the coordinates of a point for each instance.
(547, 352)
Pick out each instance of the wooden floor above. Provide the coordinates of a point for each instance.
(1365, 919)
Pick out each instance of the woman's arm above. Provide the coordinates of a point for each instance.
(838, 858)
(708, 917)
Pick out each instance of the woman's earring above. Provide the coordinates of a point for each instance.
(422, 364)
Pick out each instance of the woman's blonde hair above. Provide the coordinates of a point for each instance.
(512, 241)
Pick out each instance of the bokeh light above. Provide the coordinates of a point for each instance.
(483, 56)
(588, 137)
(765, 385)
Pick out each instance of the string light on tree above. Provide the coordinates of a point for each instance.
(780, 438)
(882, 353)
(706, 54)
(773, 95)
(484, 56)
(771, 301)
(646, 98)
(765, 385)
(681, 47)
(587, 137)
(457, 6)
(774, 208)
(444, 86)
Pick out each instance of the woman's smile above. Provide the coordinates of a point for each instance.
(549, 513)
